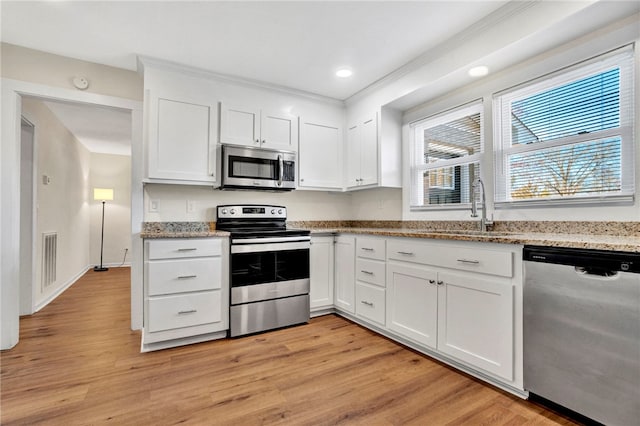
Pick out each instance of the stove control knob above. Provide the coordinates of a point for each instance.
(223, 211)
(233, 211)
(273, 211)
(279, 211)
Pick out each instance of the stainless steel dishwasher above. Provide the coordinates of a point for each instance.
(582, 331)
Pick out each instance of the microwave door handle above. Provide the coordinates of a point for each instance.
(281, 167)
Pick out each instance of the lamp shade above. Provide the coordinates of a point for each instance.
(103, 194)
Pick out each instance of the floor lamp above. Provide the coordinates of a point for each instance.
(103, 194)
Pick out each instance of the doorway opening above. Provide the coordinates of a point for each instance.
(67, 150)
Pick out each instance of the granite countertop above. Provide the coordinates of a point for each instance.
(585, 241)
(616, 236)
(180, 230)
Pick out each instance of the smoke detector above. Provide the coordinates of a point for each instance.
(80, 83)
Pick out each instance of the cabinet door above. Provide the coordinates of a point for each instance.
(279, 131)
(321, 272)
(475, 322)
(369, 152)
(182, 140)
(353, 156)
(240, 125)
(319, 155)
(412, 303)
(345, 261)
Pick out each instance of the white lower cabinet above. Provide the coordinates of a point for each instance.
(186, 291)
(412, 303)
(345, 259)
(462, 300)
(370, 303)
(321, 273)
(475, 322)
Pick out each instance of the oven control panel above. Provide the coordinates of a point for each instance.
(252, 211)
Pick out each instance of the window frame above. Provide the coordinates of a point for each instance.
(622, 58)
(416, 151)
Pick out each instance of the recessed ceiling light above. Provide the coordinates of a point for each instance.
(479, 71)
(344, 73)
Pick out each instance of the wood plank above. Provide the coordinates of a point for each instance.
(79, 363)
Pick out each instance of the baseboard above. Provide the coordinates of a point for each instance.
(116, 265)
(50, 298)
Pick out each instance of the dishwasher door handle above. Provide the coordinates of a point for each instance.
(599, 274)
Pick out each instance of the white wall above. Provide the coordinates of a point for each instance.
(62, 205)
(301, 205)
(20, 63)
(111, 171)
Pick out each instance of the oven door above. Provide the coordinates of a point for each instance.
(266, 271)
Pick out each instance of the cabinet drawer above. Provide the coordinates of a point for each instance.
(185, 310)
(371, 271)
(370, 302)
(183, 247)
(371, 248)
(183, 275)
(462, 258)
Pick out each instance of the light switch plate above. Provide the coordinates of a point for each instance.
(153, 206)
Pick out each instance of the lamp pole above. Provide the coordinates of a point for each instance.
(101, 268)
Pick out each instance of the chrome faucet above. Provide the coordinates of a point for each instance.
(484, 222)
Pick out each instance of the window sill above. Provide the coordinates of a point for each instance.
(575, 202)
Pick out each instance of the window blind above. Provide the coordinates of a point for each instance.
(445, 156)
(568, 136)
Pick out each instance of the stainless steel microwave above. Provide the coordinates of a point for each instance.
(257, 168)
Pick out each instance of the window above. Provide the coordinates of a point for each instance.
(568, 137)
(445, 157)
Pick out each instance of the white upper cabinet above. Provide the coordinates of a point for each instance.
(181, 138)
(319, 155)
(362, 153)
(240, 125)
(252, 126)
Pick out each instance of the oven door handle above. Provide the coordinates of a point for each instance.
(275, 247)
(270, 240)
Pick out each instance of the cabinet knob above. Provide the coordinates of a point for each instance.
(264, 141)
(257, 140)
(440, 282)
(432, 281)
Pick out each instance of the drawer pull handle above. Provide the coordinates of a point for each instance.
(190, 311)
(367, 272)
(432, 281)
(406, 253)
(186, 277)
(364, 302)
(187, 249)
(367, 248)
(440, 282)
(472, 262)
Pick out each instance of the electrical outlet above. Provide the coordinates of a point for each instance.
(191, 206)
(153, 206)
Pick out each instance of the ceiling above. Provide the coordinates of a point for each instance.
(101, 130)
(297, 44)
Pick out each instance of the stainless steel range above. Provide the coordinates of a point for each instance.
(269, 268)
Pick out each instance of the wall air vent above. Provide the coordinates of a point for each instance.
(49, 258)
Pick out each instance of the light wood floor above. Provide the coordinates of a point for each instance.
(78, 363)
